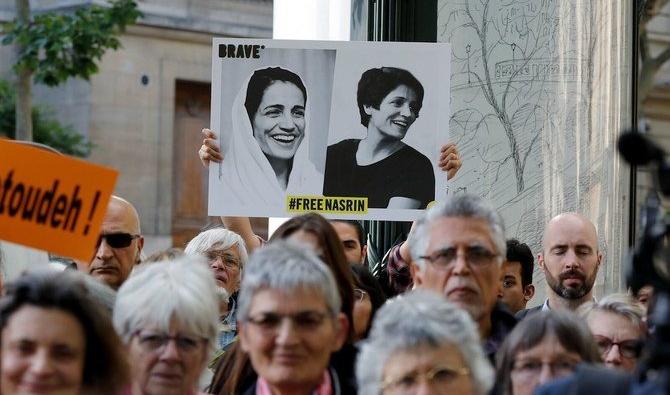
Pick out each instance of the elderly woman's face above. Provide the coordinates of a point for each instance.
(397, 112)
(279, 122)
(547, 361)
(43, 352)
(617, 338)
(166, 363)
(290, 335)
(427, 370)
(226, 265)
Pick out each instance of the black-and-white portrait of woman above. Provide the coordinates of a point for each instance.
(380, 166)
(269, 145)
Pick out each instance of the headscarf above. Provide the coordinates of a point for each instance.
(247, 176)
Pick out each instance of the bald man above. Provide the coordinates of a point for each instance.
(119, 245)
(570, 259)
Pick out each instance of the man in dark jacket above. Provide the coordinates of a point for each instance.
(457, 250)
(570, 259)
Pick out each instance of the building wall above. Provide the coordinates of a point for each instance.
(131, 122)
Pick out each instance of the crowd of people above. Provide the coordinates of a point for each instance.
(302, 314)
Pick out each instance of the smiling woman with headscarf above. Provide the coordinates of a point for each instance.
(267, 155)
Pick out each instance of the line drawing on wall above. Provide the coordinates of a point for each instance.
(537, 101)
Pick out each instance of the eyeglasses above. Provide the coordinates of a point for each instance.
(227, 258)
(627, 348)
(533, 367)
(445, 258)
(304, 321)
(360, 294)
(439, 376)
(156, 342)
(117, 240)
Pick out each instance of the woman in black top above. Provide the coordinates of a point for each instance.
(381, 167)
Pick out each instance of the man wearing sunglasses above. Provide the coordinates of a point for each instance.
(119, 245)
(457, 250)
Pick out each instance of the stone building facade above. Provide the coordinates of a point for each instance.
(144, 110)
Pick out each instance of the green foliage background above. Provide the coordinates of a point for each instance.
(46, 129)
(57, 46)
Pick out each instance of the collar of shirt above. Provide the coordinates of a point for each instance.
(545, 306)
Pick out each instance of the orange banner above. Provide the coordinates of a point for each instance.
(52, 202)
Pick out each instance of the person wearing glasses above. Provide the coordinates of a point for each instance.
(119, 246)
(226, 255)
(544, 347)
(368, 298)
(289, 321)
(457, 249)
(167, 315)
(234, 373)
(617, 324)
(422, 344)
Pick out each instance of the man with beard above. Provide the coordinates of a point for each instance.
(457, 250)
(119, 244)
(226, 256)
(570, 259)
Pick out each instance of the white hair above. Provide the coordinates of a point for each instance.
(219, 238)
(284, 265)
(618, 303)
(462, 205)
(415, 319)
(155, 294)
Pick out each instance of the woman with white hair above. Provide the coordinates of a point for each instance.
(226, 255)
(420, 341)
(617, 324)
(290, 322)
(166, 314)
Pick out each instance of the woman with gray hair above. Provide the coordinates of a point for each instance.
(166, 313)
(226, 255)
(420, 340)
(290, 321)
(617, 324)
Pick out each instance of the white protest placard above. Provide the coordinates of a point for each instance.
(345, 129)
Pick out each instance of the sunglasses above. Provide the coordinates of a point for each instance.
(117, 240)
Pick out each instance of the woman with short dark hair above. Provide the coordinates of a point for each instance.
(543, 347)
(381, 166)
(57, 339)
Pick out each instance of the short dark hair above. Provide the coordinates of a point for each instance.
(520, 252)
(571, 333)
(360, 232)
(261, 79)
(376, 83)
(105, 365)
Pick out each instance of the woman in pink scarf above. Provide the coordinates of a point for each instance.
(289, 321)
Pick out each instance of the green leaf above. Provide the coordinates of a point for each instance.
(58, 46)
(46, 129)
